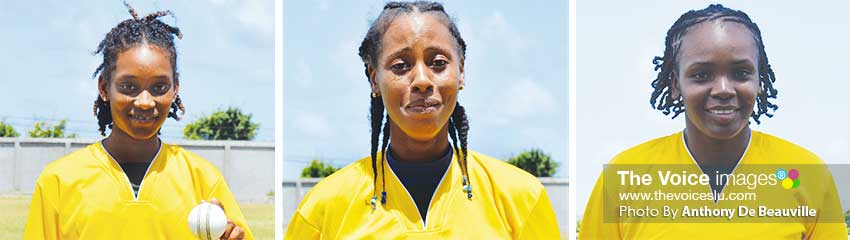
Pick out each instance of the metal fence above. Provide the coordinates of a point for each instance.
(557, 189)
(248, 167)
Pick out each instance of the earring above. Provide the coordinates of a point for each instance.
(461, 88)
(374, 95)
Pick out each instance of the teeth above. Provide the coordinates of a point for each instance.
(141, 118)
(719, 111)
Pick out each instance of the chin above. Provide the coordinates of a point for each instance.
(725, 132)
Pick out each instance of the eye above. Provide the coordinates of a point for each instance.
(399, 67)
(127, 87)
(439, 63)
(160, 88)
(743, 74)
(701, 76)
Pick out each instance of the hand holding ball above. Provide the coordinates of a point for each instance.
(207, 221)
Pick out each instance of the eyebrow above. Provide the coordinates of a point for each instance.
(399, 52)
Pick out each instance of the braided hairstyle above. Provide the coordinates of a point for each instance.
(131, 33)
(369, 51)
(666, 66)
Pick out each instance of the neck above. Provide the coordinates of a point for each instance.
(717, 152)
(407, 149)
(125, 149)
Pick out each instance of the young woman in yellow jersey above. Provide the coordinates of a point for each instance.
(130, 185)
(419, 185)
(715, 70)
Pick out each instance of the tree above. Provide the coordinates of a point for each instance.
(45, 130)
(230, 124)
(318, 169)
(6, 130)
(536, 162)
(847, 219)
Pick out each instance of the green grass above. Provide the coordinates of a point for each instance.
(14, 217)
(260, 218)
(15, 209)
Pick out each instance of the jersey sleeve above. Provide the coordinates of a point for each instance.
(592, 224)
(541, 222)
(828, 229)
(300, 228)
(221, 192)
(42, 221)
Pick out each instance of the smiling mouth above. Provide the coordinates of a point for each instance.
(722, 111)
(143, 118)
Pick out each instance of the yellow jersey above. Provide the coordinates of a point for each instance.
(86, 195)
(507, 203)
(762, 149)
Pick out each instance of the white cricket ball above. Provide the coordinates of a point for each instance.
(207, 221)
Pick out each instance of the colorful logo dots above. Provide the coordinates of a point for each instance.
(787, 183)
(793, 174)
(781, 174)
(790, 179)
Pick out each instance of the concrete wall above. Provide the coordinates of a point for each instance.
(557, 189)
(248, 167)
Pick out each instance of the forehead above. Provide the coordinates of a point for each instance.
(718, 38)
(417, 30)
(143, 58)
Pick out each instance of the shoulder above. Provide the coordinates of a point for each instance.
(183, 160)
(778, 149)
(73, 164)
(508, 179)
(655, 149)
(351, 178)
(192, 160)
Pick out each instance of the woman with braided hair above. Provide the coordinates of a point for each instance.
(131, 185)
(715, 70)
(417, 183)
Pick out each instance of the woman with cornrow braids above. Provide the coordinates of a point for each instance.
(715, 70)
(131, 185)
(416, 183)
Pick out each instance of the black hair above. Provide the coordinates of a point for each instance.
(666, 66)
(369, 51)
(131, 33)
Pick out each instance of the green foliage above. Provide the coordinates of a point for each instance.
(230, 124)
(536, 162)
(6, 130)
(318, 169)
(847, 220)
(45, 130)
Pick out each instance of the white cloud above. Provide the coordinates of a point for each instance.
(313, 125)
(257, 15)
(526, 98)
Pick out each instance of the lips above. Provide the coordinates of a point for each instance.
(424, 106)
(723, 114)
(143, 118)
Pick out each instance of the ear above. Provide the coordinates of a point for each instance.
(462, 81)
(102, 87)
(176, 86)
(675, 93)
(373, 80)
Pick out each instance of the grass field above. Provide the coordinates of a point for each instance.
(12, 221)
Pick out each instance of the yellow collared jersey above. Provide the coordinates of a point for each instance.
(507, 203)
(86, 195)
(763, 149)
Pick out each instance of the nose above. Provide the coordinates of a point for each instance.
(422, 81)
(723, 88)
(144, 101)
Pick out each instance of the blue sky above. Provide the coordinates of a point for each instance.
(516, 79)
(226, 58)
(806, 43)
